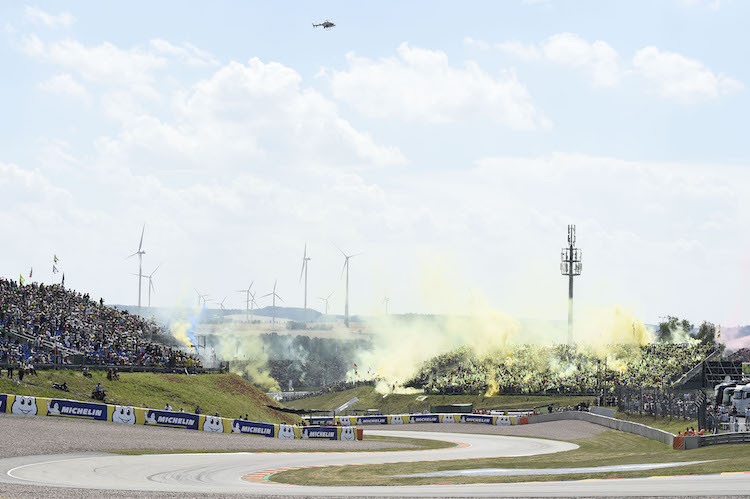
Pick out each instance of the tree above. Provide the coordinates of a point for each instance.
(667, 329)
(706, 333)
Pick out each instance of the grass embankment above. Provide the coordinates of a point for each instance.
(413, 443)
(402, 403)
(609, 448)
(226, 394)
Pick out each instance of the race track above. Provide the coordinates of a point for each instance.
(242, 473)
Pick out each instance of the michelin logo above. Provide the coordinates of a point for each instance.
(24, 405)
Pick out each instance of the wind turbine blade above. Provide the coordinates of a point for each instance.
(251, 285)
(274, 286)
(131, 256)
(154, 272)
(269, 294)
(140, 244)
(301, 272)
(151, 284)
(280, 298)
(356, 254)
(330, 295)
(342, 251)
(346, 262)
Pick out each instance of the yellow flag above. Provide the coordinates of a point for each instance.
(718, 334)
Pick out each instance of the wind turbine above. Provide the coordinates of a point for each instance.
(326, 300)
(274, 296)
(247, 303)
(150, 283)
(346, 267)
(221, 304)
(252, 303)
(201, 297)
(386, 301)
(140, 254)
(305, 259)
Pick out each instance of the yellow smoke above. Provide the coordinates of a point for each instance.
(179, 331)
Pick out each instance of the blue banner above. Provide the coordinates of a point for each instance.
(3, 402)
(75, 409)
(372, 419)
(172, 419)
(320, 420)
(253, 428)
(424, 418)
(475, 418)
(329, 432)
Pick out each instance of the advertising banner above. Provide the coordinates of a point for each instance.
(172, 419)
(371, 420)
(320, 420)
(345, 420)
(253, 428)
(327, 432)
(21, 404)
(504, 421)
(4, 402)
(75, 409)
(474, 418)
(423, 418)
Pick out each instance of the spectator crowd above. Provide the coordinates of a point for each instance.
(559, 369)
(49, 324)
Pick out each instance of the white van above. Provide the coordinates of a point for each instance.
(741, 398)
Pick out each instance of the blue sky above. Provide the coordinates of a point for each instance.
(437, 138)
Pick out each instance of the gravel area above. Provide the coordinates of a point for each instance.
(555, 430)
(35, 435)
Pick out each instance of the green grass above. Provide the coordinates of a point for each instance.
(228, 394)
(402, 403)
(608, 448)
(404, 444)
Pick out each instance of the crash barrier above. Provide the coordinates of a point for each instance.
(695, 441)
(64, 408)
(616, 424)
(400, 419)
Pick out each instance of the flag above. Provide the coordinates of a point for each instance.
(31, 272)
(718, 334)
(54, 258)
(20, 279)
(54, 269)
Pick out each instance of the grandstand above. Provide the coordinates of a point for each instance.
(53, 325)
(559, 369)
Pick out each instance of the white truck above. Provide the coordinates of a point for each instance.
(741, 398)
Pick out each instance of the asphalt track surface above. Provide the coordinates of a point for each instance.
(241, 474)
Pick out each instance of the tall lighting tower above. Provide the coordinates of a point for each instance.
(570, 266)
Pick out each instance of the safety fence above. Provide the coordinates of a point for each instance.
(401, 419)
(76, 409)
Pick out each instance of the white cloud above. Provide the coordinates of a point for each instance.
(188, 52)
(65, 84)
(38, 16)
(104, 64)
(599, 59)
(674, 75)
(420, 85)
(246, 117)
(681, 78)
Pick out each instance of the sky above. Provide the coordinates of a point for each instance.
(450, 144)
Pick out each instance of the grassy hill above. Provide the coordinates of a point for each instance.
(399, 403)
(227, 394)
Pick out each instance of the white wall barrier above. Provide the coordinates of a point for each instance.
(64, 408)
(616, 424)
(399, 419)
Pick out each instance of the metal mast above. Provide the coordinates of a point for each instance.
(570, 266)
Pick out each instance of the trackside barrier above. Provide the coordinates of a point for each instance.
(616, 424)
(64, 408)
(719, 438)
(401, 419)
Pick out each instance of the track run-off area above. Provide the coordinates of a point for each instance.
(252, 473)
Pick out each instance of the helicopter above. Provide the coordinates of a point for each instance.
(326, 24)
